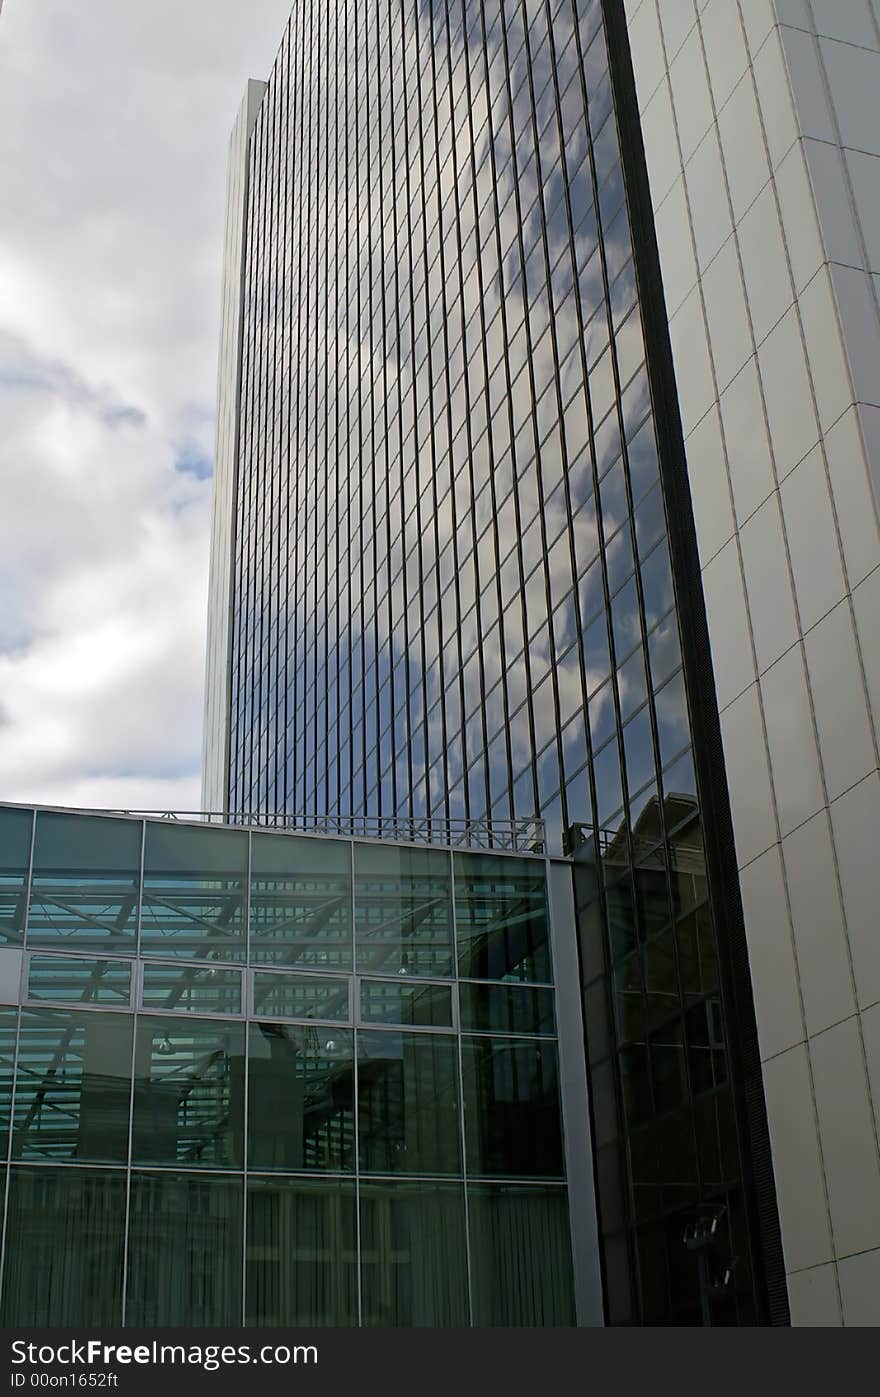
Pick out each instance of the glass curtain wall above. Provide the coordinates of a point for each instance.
(453, 590)
(265, 1079)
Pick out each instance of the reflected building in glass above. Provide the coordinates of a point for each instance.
(460, 580)
(250, 1077)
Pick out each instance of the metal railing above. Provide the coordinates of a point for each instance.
(520, 836)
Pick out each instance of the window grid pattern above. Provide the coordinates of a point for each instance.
(453, 592)
(154, 1098)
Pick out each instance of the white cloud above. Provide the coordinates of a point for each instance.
(114, 122)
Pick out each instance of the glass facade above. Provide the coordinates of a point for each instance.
(453, 589)
(281, 1094)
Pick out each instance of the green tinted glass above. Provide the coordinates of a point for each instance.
(300, 1098)
(185, 1250)
(408, 1116)
(512, 1113)
(192, 989)
(520, 1252)
(79, 980)
(301, 902)
(73, 1086)
(84, 890)
(301, 996)
(194, 892)
(8, 1034)
(413, 1255)
(301, 1253)
(506, 1009)
(15, 852)
(501, 918)
(416, 1005)
(189, 1092)
(403, 911)
(64, 1249)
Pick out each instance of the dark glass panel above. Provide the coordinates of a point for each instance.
(301, 1265)
(403, 911)
(192, 989)
(501, 918)
(418, 1006)
(84, 889)
(64, 1249)
(507, 1009)
(301, 902)
(185, 1250)
(408, 1116)
(511, 1107)
(189, 1092)
(79, 980)
(520, 1252)
(284, 996)
(193, 901)
(413, 1255)
(73, 1086)
(15, 852)
(8, 1034)
(300, 1098)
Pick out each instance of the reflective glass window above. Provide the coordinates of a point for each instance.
(191, 989)
(511, 1108)
(403, 911)
(286, 996)
(419, 1006)
(184, 1250)
(73, 1086)
(79, 980)
(301, 1263)
(501, 918)
(84, 890)
(64, 1248)
(193, 896)
(506, 1009)
(15, 851)
(188, 1092)
(300, 1098)
(520, 1253)
(413, 1255)
(408, 1111)
(301, 902)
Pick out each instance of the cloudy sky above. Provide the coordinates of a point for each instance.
(114, 121)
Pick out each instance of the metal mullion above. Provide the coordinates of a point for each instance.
(462, 1140)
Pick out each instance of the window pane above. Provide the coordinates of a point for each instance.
(520, 1256)
(420, 1006)
(301, 996)
(413, 1255)
(15, 850)
(73, 1086)
(511, 1097)
(501, 918)
(193, 902)
(301, 1253)
(8, 1033)
(301, 901)
(71, 980)
(84, 889)
(192, 989)
(403, 911)
(64, 1245)
(189, 1092)
(185, 1250)
(300, 1098)
(506, 1009)
(408, 1115)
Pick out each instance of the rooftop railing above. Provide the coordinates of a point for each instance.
(521, 836)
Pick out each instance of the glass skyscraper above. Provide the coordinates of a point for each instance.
(500, 367)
